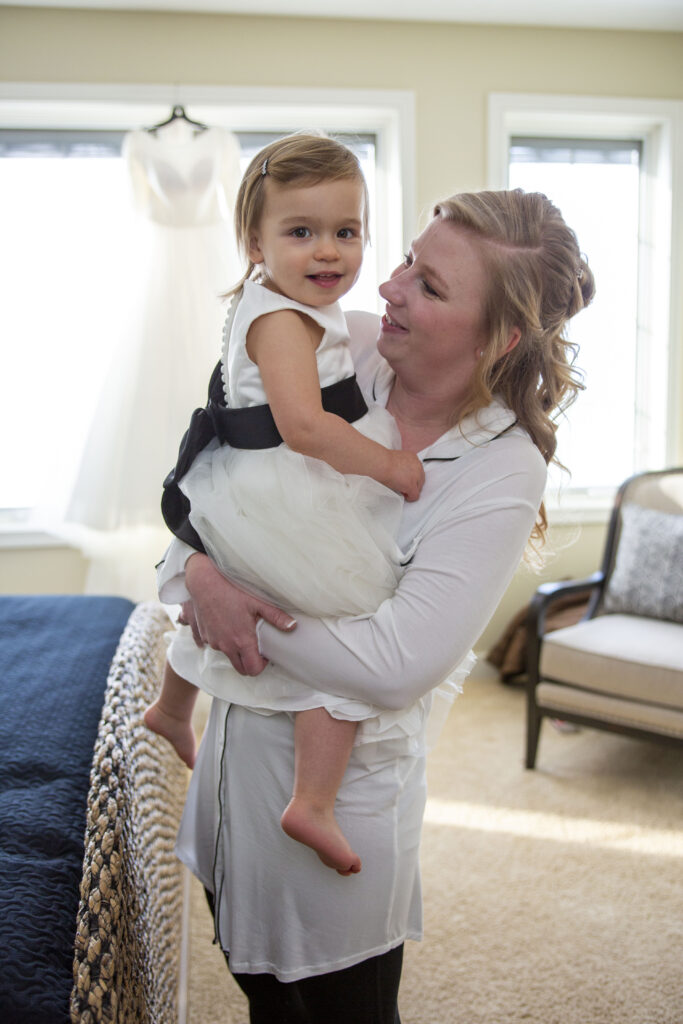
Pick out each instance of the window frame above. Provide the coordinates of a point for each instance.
(658, 126)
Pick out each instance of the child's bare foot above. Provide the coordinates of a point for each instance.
(318, 828)
(178, 732)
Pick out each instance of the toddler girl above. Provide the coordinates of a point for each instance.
(311, 523)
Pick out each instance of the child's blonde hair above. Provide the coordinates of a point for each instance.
(296, 160)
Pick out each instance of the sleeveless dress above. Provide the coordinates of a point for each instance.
(294, 530)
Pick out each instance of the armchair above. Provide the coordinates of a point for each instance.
(621, 667)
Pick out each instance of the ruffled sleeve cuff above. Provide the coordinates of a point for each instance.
(171, 573)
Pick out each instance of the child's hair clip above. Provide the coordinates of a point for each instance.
(264, 169)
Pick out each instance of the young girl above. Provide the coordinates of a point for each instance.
(283, 520)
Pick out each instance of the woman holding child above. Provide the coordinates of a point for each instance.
(471, 360)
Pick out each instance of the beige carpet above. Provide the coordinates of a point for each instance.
(551, 897)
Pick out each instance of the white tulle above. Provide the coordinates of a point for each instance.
(292, 528)
(183, 185)
(312, 540)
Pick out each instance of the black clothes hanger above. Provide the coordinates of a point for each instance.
(178, 114)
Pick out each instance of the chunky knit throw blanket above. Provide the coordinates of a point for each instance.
(129, 918)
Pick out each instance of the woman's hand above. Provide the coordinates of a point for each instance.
(224, 616)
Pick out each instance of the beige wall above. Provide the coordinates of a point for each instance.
(42, 570)
(450, 68)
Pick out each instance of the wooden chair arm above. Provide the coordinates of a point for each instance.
(549, 593)
(545, 597)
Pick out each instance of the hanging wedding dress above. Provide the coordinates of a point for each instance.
(184, 183)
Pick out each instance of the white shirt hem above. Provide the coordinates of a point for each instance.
(329, 967)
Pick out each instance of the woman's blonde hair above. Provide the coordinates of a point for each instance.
(536, 280)
(297, 160)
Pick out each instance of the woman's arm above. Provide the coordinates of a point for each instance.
(283, 345)
(443, 602)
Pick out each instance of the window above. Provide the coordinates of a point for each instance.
(596, 185)
(68, 249)
(64, 258)
(608, 167)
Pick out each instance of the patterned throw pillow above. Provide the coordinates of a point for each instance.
(648, 576)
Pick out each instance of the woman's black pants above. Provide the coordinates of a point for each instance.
(366, 993)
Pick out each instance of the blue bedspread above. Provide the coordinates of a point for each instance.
(55, 654)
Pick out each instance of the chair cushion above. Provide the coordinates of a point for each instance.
(621, 655)
(648, 576)
(569, 700)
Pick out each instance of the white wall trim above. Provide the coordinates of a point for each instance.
(515, 113)
(390, 114)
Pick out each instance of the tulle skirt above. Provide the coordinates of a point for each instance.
(293, 530)
(296, 531)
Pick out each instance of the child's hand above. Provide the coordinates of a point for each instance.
(407, 475)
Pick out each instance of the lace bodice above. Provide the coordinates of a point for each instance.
(182, 177)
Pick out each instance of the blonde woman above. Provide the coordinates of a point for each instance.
(472, 361)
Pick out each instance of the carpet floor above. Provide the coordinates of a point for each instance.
(552, 896)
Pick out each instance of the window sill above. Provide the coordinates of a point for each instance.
(16, 536)
(579, 507)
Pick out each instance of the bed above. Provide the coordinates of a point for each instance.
(90, 891)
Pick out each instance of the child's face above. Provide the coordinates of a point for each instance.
(310, 240)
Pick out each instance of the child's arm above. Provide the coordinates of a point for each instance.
(283, 345)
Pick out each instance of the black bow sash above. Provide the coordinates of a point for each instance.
(249, 427)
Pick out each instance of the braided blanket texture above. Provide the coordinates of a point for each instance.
(129, 919)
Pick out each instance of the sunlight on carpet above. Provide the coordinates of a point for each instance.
(564, 829)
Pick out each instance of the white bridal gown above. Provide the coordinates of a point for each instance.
(184, 184)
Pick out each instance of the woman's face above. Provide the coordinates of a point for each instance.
(432, 330)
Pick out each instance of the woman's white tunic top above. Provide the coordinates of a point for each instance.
(279, 909)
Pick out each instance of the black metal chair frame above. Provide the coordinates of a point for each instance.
(594, 587)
